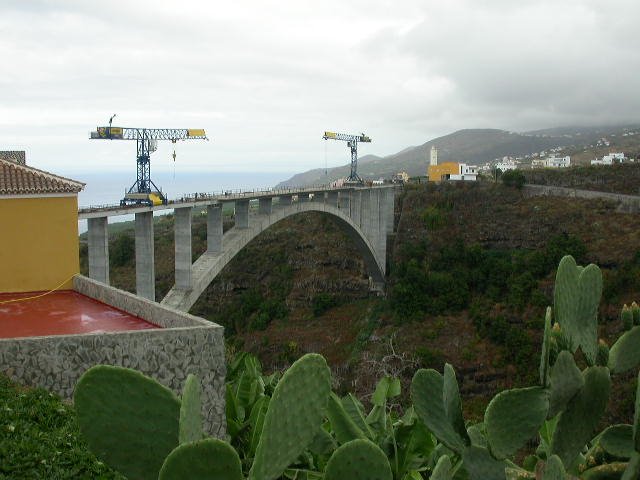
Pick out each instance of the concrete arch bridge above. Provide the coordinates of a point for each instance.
(365, 214)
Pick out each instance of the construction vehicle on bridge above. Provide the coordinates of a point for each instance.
(352, 143)
(144, 191)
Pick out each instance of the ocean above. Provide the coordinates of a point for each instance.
(108, 188)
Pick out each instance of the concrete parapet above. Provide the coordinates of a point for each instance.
(98, 237)
(145, 264)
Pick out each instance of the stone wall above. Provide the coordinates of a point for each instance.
(627, 203)
(186, 344)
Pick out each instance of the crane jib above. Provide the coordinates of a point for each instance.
(125, 133)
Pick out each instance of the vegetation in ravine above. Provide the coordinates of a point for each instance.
(295, 427)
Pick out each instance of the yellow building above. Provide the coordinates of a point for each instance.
(442, 171)
(39, 233)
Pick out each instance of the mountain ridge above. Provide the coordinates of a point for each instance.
(473, 146)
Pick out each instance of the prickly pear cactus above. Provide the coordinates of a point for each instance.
(129, 420)
(553, 469)
(635, 311)
(513, 417)
(576, 298)
(296, 410)
(626, 315)
(617, 440)
(211, 458)
(546, 350)
(582, 414)
(191, 411)
(358, 460)
(625, 353)
(565, 381)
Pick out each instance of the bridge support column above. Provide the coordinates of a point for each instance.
(389, 202)
(145, 266)
(242, 213)
(265, 206)
(214, 228)
(98, 234)
(344, 201)
(284, 200)
(332, 199)
(356, 206)
(182, 238)
(365, 212)
(374, 221)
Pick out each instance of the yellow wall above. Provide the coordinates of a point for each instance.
(38, 243)
(436, 172)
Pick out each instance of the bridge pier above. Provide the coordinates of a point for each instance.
(284, 200)
(356, 205)
(214, 228)
(332, 199)
(265, 205)
(344, 202)
(182, 240)
(145, 268)
(98, 236)
(242, 213)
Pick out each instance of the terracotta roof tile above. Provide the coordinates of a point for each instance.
(16, 179)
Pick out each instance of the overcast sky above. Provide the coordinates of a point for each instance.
(266, 78)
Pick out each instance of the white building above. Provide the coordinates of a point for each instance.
(506, 165)
(559, 162)
(610, 159)
(538, 163)
(400, 177)
(465, 172)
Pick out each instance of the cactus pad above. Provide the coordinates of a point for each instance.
(191, 411)
(566, 380)
(636, 418)
(578, 421)
(211, 458)
(617, 440)
(632, 472)
(513, 417)
(427, 396)
(546, 350)
(129, 420)
(480, 465)
(553, 469)
(358, 460)
(452, 403)
(294, 416)
(625, 353)
(576, 298)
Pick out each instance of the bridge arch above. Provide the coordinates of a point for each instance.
(370, 243)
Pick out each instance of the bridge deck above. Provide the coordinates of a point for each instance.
(204, 199)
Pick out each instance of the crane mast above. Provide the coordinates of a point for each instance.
(352, 143)
(146, 140)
